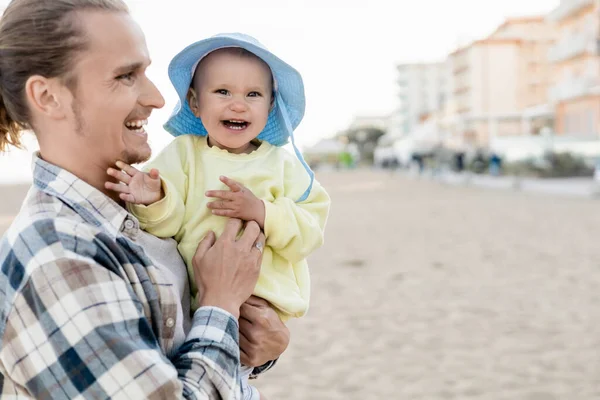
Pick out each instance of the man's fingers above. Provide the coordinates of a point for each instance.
(116, 187)
(127, 168)
(231, 229)
(244, 358)
(233, 185)
(205, 244)
(248, 313)
(259, 246)
(245, 323)
(250, 235)
(254, 302)
(246, 348)
(221, 194)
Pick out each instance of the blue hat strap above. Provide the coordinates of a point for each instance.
(288, 126)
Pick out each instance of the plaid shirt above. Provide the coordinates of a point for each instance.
(85, 314)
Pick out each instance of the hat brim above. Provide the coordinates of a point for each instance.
(289, 86)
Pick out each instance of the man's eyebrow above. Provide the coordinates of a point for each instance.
(130, 67)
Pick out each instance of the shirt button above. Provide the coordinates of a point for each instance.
(170, 323)
(129, 224)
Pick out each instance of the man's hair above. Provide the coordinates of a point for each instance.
(39, 37)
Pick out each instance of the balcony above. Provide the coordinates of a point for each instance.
(462, 110)
(567, 8)
(573, 88)
(461, 89)
(460, 69)
(571, 46)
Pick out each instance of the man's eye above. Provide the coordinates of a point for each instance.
(128, 76)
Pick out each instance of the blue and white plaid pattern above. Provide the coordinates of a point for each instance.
(85, 314)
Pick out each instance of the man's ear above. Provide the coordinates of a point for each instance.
(192, 100)
(46, 96)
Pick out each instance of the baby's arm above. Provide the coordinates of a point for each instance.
(160, 208)
(237, 202)
(135, 186)
(295, 229)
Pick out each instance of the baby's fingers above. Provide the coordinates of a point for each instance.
(119, 175)
(116, 187)
(154, 174)
(128, 197)
(127, 168)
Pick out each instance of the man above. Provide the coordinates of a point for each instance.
(86, 312)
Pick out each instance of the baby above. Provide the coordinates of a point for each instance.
(238, 104)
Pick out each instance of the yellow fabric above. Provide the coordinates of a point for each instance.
(189, 167)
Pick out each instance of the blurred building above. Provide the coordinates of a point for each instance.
(576, 58)
(364, 132)
(423, 89)
(500, 82)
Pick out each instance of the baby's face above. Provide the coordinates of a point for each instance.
(233, 94)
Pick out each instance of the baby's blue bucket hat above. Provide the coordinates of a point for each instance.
(289, 103)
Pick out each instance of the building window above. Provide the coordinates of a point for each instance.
(570, 122)
(589, 121)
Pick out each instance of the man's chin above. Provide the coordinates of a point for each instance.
(137, 157)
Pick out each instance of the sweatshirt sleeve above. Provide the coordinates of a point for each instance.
(295, 229)
(165, 217)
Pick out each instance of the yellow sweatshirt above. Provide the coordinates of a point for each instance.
(189, 167)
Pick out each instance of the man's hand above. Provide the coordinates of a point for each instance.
(263, 337)
(239, 202)
(226, 269)
(135, 186)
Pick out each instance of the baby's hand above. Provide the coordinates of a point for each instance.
(240, 203)
(135, 186)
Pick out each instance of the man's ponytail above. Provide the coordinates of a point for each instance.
(10, 130)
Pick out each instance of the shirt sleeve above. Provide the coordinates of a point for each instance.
(295, 229)
(76, 330)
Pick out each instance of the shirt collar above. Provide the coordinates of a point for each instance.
(91, 204)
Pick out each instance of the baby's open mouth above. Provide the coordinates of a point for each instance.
(235, 124)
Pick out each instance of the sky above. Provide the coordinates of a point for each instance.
(346, 50)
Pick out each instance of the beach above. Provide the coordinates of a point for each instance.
(427, 291)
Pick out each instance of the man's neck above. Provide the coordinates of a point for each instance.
(93, 173)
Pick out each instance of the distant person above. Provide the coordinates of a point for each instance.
(437, 158)
(460, 161)
(495, 164)
(479, 164)
(238, 105)
(346, 159)
(597, 170)
(419, 160)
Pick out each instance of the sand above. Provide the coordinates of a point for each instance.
(427, 291)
